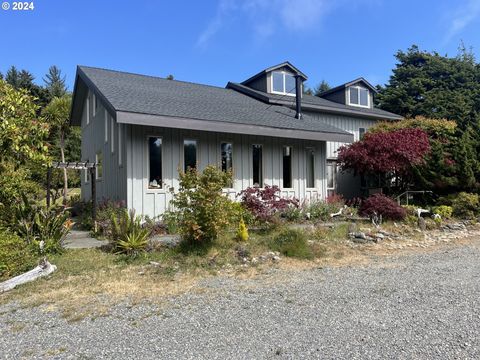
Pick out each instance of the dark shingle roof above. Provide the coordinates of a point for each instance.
(347, 84)
(134, 93)
(316, 103)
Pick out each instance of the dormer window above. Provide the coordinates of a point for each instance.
(283, 83)
(358, 96)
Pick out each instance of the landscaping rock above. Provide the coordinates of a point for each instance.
(352, 228)
(421, 224)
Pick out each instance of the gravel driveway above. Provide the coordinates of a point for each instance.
(420, 306)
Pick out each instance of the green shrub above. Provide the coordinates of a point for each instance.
(203, 210)
(16, 256)
(170, 220)
(319, 210)
(444, 211)
(36, 224)
(465, 205)
(293, 213)
(292, 243)
(126, 233)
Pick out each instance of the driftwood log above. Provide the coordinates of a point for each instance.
(43, 269)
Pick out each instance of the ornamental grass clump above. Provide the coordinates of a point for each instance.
(292, 243)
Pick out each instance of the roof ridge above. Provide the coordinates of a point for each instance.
(151, 76)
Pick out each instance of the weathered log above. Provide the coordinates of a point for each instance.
(43, 269)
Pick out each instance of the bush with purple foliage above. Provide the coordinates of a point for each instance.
(265, 203)
(380, 204)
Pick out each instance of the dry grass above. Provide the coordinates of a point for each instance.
(89, 282)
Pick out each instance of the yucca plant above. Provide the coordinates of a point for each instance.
(37, 224)
(127, 234)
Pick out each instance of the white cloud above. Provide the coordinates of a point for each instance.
(264, 17)
(462, 17)
(303, 14)
(223, 10)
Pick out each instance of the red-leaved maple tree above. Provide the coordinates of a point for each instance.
(386, 152)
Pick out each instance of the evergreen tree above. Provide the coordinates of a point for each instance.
(323, 86)
(55, 82)
(12, 77)
(429, 84)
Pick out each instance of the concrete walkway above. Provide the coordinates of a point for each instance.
(79, 239)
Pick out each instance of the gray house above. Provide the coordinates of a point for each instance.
(143, 130)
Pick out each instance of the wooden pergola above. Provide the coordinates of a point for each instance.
(80, 165)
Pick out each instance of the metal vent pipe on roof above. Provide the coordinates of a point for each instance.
(298, 96)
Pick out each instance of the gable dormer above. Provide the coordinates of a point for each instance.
(278, 79)
(357, 93)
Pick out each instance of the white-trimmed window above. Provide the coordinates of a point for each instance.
(189, 154)
(287, 167)
(155, 178)
(361, 133)
(331, 177)
(87, 109)
(226, 155)
(120, 144)
(310, 163)
(112, 134)
(283, 83)
(95, 104)
(99, 167)
(358, 96)
(106, 126)
(226, 150)
(257, 162)
(87, 174)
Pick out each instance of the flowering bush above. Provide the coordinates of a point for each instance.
(379, 204)
(265, 203)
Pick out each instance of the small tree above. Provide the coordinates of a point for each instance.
(57, 114)
(22, 134)
(393, 153)
(55, 82)
(203, 211)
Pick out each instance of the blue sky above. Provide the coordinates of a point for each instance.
(213, 42)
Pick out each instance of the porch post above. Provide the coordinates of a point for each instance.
(94, 197)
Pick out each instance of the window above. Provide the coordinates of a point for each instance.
(154, 163)
(287, 166)
(310, 173)
(331, 177)
(189, 154)
(88, 110)
(99, 168)
(87, 173)
(226, 150)
(227, 156)
(361, 133)
(95, 104)
(106, 126)
(119, 144)
(283, 83)
(257, 165)
(112, 134)
(359, 96)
